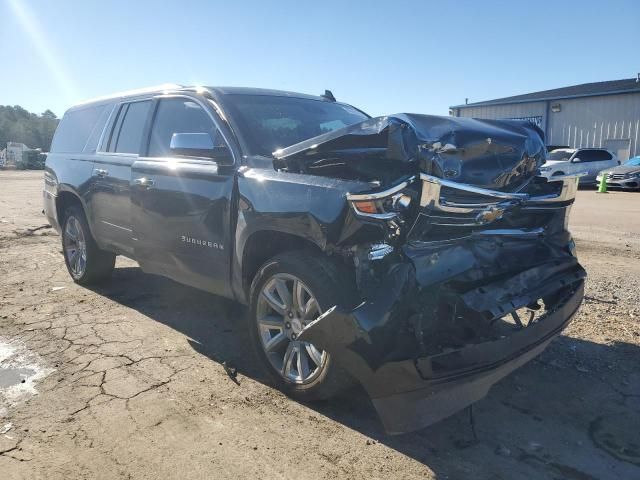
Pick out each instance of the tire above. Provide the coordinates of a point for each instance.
(329, 285)
(86, 263)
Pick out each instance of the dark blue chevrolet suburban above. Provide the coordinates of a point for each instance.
(421, 256)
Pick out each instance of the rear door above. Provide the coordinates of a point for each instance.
(111, 193)
(605, 160)
(181, 205)
(595, 160)
(587, 163)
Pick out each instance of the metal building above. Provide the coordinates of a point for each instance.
(602, 114)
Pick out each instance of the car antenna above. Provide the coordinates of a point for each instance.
(329, 96)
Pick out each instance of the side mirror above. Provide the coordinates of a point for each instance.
(199, 145)
(575, 160)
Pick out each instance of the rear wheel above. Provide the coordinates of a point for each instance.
(86, 263)
(288, 292)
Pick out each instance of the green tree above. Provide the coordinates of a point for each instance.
(19, 125)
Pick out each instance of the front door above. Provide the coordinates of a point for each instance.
(181, 204)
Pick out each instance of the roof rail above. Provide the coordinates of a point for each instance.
(138, 91)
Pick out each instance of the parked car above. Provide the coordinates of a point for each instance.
(421, 256)
(625, 176)
(586, 161)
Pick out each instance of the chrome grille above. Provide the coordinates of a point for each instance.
(490, 205)
(617, 176)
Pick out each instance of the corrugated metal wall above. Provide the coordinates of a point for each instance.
(516, 110)
(611, 121)
(592, 121)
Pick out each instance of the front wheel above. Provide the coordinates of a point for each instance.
(288, 292)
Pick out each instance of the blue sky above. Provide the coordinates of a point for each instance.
(383, 56)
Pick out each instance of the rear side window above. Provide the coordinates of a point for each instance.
(75, 129)
(92, 142)
(179, 115)
(602, 155)
(127, 135)
(593, 155)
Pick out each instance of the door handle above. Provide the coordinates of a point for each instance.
(99, 172)
(144, 182)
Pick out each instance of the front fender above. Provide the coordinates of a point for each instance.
(312, 208)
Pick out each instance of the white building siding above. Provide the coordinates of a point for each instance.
(611, 121)
(596, 121)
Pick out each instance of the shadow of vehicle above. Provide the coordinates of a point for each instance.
(572, 413)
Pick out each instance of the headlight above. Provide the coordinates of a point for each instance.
(381, 205)
(635, 175)
(545, 169)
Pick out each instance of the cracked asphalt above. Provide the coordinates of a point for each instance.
(127, 380)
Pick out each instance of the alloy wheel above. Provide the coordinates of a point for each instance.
(285, 306)
(75, 247)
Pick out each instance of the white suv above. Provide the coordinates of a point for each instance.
(569, 161)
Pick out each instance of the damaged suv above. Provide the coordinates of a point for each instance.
(423, 257)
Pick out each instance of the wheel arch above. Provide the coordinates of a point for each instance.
(262, 245)
(67, 198)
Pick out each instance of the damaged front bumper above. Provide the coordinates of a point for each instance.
(483, 282)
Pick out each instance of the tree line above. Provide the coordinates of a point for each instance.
(19, 125)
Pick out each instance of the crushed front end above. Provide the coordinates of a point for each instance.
(466, 283)
(481, 285)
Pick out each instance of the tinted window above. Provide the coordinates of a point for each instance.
(130, 136)
(75, 129)
(92, 142)
(602, 155)
(179, 115)
(271, 122)
(593, 155)
(562, 155)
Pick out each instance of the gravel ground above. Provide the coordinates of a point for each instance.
(126, 381)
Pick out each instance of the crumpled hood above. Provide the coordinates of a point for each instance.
(495, 154)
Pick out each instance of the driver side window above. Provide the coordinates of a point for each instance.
(179, 115)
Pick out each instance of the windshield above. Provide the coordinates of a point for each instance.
(633, 162)
(271, 122)
(560, 155)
